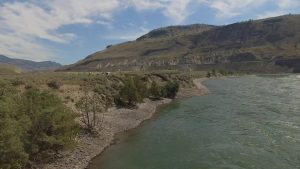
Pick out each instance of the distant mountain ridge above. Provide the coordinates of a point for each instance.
(28, 65)
(267, 45)
(172, 31)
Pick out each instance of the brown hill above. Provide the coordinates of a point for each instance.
(267, 45)
(28, 65)
(8, 69)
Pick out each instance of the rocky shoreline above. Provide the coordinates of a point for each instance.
(115, 121)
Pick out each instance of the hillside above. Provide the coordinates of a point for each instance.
(268, 45)
(27, 65)
(8, 70)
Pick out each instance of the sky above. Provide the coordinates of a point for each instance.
(66, 31)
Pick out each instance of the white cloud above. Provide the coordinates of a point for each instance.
(286, 4)
(231, 8)
(24, 24)
(128, 36)
(271, 14)
(283, 7)
(175, 10)
(144, 4)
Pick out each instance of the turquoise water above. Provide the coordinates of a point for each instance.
(245, 123)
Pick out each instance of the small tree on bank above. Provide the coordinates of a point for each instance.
(171, 89)
(156, 91)
(92, 111)
(133, 92)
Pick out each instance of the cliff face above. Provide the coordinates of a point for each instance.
(268, 45)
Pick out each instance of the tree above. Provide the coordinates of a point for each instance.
(141, 87)
(53, 126)
(130, 94)
(33, 125)
(156, 91)
(214, 73)
(208, 75)
(92, 111)
(171, 89)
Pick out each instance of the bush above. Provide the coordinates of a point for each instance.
(171, 89)
(53, 126)
(92, 112)
(28, 86)
(12, 150)
(33, 125)
(208, 75)
(17, 82)
(156, 91)
(133, 92)
(54, 85)
(12, 147)
(168, 91)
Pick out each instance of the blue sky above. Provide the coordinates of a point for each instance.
(68, 30)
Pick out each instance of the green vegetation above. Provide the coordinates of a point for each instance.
(91, 109)
(17, 82)
(217, 73)
(167, 91)
(133, 92)
(135, 89)
(171, 89)
(33, 126)
(156, 92)
(35, 123)
(54, 84)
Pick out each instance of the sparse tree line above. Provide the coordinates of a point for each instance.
(217, 73)
(135, 90)
(35, 124)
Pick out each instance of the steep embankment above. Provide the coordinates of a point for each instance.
(267, 45)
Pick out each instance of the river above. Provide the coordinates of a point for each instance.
(249, 122)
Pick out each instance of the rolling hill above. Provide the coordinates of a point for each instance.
(28, 65)
(8, 69)
(268, 45)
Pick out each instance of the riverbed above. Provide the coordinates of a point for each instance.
(246, 122)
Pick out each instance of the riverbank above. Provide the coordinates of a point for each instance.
(116, 121)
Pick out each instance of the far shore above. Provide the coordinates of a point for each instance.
(116, 121)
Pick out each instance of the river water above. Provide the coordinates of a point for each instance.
(250, 122)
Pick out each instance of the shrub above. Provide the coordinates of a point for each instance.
(168, 91)
(31, 126)
(54, 84)
(12, 152)
(141, 87)
(92, 111)
(17, 82)
(208, 75)
(156, 91)
(28, 86)
(171, 89)
(133, 92)
(53, 126)
(12, 148)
